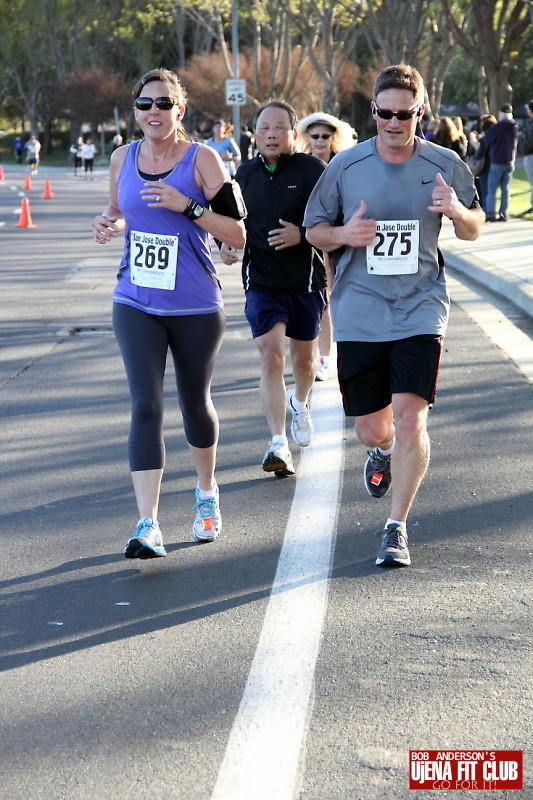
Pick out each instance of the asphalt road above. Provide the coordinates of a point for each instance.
(189, 677)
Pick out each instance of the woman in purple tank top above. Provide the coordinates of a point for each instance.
(169, 195)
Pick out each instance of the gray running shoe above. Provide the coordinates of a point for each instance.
(377, 473)
(393, 551)
(278, 460)
(302, 429)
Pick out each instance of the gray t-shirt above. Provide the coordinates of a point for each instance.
(367, 306)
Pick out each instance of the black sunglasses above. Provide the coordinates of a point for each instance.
(162, 103)
(320, 135)
(403, 116)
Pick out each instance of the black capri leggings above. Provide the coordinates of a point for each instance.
(144, 340)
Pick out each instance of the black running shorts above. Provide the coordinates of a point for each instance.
(371, 372)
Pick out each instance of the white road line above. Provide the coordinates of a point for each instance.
(263, 755)
(494, 324)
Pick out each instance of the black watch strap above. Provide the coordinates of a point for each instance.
(193, 209)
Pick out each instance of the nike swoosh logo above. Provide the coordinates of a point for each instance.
(431, 181)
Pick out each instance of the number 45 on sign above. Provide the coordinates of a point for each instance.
(235, 92)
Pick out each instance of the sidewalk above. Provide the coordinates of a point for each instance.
(501, 259)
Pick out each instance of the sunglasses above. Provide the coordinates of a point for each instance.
(403, 116)
(320, 135)
(162, 103)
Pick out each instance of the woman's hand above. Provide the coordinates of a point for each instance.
(159, 194)
(104, 229)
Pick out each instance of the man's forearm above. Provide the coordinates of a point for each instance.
(470, 224)
(324, 237)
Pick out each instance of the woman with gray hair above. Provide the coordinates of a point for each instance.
(323, 136)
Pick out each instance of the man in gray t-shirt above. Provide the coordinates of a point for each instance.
(378, 209)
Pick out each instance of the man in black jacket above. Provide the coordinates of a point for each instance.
(500, 144)
(283, 276)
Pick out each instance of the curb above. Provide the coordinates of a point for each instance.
(508, 286)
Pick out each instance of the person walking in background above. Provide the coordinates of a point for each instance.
(382, 201)
(283, 276)
(18, 149)
(500, 144)
(169, 194)
(447, 135)
(88, 152)
(225, 146)
(76, 150)
(33, 153)
(527, 150)
(323, 136)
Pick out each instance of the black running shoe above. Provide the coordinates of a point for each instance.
(393, 551)
(377, 474)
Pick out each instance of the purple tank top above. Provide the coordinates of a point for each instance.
(166, 268)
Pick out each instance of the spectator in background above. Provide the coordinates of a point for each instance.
(225, 146)
(500, 143)
(463, 131)
(117, 141)
(323, 136)
(246, 144)
(448, 136)
(431, 129)
(482, 176)
(527, 145)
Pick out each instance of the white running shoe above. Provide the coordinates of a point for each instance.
(278, 460)
(208, 522)
(146, 540)
(301, 425)
(323, 370)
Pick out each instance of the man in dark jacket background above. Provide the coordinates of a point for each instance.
(500, 143)
(283, 276)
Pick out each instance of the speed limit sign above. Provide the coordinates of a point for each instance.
(235, 92)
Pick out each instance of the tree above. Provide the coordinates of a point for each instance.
(24, 57)
(492, 36)
(329, 34)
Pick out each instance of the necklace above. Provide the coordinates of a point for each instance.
(155, 172)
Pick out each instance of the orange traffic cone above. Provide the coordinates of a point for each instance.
(27, 182)
(1, 173)
(25, 215)
(47, 194)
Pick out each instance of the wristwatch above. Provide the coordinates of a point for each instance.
(194, 210)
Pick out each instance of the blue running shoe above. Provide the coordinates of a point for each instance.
(146, 541)
(208, 522)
